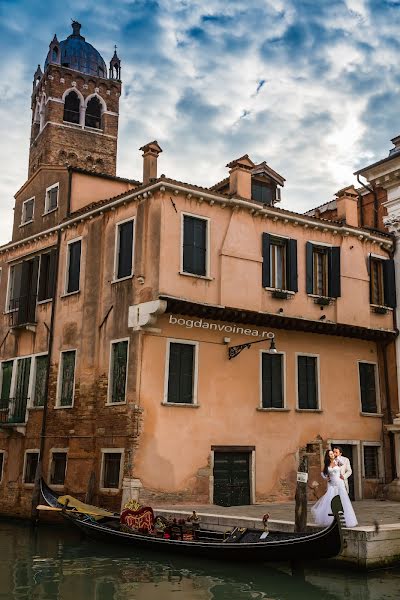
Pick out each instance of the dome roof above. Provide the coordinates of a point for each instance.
(77, 54)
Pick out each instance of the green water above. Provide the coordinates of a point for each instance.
(55, 563)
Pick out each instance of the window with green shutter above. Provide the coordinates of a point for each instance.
(119, 362)
(272, 380)
(367, 372)
(6, 375)
(125, 250)
(181, 373)
(307, 382)
(194, 245)
(74, 267)
(67, 378)
(39, 390)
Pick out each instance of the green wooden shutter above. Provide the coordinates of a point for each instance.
(194, 245)
(302, 381)
(307, 382)
(266, 266)
(180, 373)
(119, 365)
(272, 392)
(292, 277)
(6, 375)
(368, 388)
(21, 389)
(67, 378)
(334, 272)
(74, 266)
(309, 268)
(40, 380)
(389, 283)
(125, 250)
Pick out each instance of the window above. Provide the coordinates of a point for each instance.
(382, 282)
(195, 245)
(72, 107)
(93, 113)
(31, 461)
(1, 465)
(272, 380)
(181, 368)
(371, 462)
(111, 470)
(51, 199)
(279, 270)
(73, 267)
(14, 286)
(58, 467)
(27, 211)
(39, 385)
(47, 276)
(262, 192)
(368, 374)
(323, 270)
(118, 372)
(124, 250)
(6, 377)
(307, 382)
(67, 378)
(21, 391)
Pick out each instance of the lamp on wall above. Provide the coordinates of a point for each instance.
(235, 350)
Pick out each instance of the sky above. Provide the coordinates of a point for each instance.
(309, 86)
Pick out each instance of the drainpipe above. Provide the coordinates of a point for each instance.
(38, 474)
(69, 192)
(361, 201)
(387, 413)
(372, 191)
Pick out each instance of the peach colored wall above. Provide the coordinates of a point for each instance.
(86, 189)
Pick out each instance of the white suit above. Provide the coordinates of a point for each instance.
(345, 469)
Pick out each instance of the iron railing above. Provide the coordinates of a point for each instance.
(23, 310)
(13, 410)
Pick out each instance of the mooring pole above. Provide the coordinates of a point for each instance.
(301, 496)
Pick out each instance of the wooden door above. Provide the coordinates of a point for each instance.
(231, 478)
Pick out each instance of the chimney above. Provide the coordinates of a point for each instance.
(150, 156)
(347, 206)
(240, 177)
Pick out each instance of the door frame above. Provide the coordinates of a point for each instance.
(357, 463)
(251, 450)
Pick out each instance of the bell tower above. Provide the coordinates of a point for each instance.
(75, 107)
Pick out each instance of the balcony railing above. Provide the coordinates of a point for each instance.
(23, 310)
(13, 410)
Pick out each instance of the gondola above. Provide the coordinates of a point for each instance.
(240, 544)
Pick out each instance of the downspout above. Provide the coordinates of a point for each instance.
(361, 201)
(387, 414)
(69, 191)
(372, 191)
(38, 474)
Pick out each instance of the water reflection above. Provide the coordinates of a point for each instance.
(54, 563)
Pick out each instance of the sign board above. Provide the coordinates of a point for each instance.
(302, 477)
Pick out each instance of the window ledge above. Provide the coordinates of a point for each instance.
(181, 404)
(262, 409)
(35, 407)
(122, 279)
(58, 486)
(206, 277)
(44, 301)
(97, 129)
(67, 294)
(26, 223)
(63, 407)
(116, 403)
(272, 289)
(380, 309)
(49, 211)
(366, 414)
(109, 490)
(29, 485)
(309, 410)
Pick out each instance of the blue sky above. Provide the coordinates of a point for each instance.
(310, 86)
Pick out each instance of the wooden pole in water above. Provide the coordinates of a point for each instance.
(300, 519)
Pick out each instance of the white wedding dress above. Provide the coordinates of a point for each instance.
(322, 508)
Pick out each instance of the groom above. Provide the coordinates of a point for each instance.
(344, 464)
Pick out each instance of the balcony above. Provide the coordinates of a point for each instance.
(13, 413)
(23, 311)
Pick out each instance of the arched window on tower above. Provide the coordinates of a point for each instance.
(71, 108)
(93, 113)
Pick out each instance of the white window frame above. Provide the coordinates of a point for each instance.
(116, 249)
(54, 451)
(285, 246)
(208, 238)
(319, 407)
(4, 454)
(59, 376)
(109, 388)
(23, 221)
(195, 373)
(32, 382)
(261, 407)
(29, 451)
(67, 259)
(32, 375)
(46, 198)
(378, 412)
(381, 468)
(121, 469)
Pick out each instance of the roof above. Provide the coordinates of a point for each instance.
(103, 175)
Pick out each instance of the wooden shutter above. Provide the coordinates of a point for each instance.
(120, 359)
(334, 272)
(368, 388)
(306, 382)
(74, 266)
(125, 250)
(266, 266)
(67, 378)
(272, 393)
(309, 269)
(51, 277)
(6, 375)
(180, 374)
(292, 278)
(40, 380)
(43, 277)
(389, 283)
(194, 245)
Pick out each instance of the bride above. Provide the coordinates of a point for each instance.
(321, 510)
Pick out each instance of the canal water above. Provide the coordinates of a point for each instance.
(55, 563)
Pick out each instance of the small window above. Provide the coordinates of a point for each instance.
(58, 467)
(72, 106)
(279, 269)
(51, 200)
(47, 276)
(181, 373)
(31, 462)
(73, 267)
(195, 245)
(262, 192)
(27, 211)
(93, 113)
(320, 268)
(371, 462)
(307, 382)
(278, 264)
(367, 372)
(124, 250)
(272, 380)
(39, 386)
(1, 465)
(67, 378)
(382, 282)
(111, 470)
(323, 270)
(118, 372)
(377, 287)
